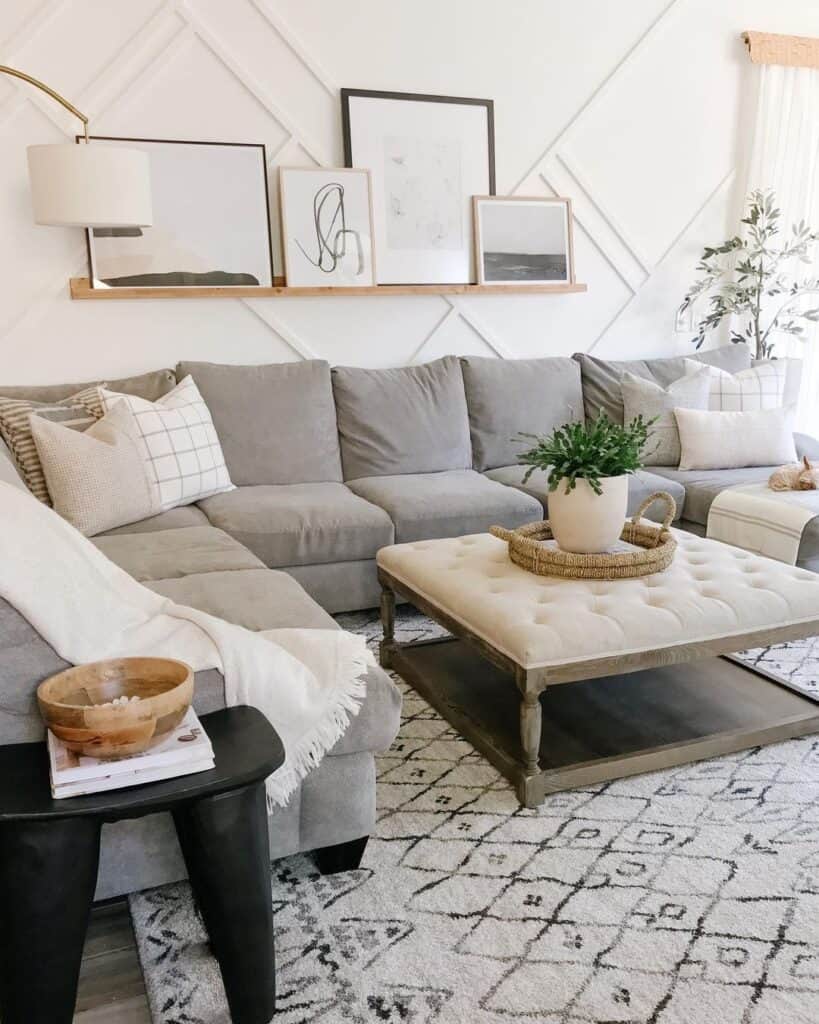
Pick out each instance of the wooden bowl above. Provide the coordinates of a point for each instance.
(76, 704)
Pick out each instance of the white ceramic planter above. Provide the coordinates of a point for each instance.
(585, 522)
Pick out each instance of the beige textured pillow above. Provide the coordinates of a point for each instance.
(731, 440)
(653, 402)
(97, 478)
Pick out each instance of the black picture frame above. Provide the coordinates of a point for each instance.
(398, 266)
(80, 140)
(418, 98)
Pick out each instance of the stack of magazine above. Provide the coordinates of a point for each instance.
(184, 751)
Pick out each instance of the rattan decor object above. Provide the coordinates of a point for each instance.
(655, 548)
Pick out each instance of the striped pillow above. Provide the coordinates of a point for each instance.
(77, 412)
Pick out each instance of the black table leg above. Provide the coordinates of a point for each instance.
(341, 857)
(48, 872)
(225, 843)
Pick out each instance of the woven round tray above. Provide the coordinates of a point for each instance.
(528, 548)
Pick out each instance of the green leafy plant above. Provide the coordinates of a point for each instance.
(590, 451)
(751, 279)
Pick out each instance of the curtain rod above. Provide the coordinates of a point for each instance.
(792, 51)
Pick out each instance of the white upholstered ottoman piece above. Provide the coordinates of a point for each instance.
(540, 631)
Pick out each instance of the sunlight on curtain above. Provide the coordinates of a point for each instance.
(784, 157)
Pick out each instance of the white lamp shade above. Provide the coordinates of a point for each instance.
(90, 186)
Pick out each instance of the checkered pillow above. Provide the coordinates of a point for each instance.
(760, 387)
(178, 442)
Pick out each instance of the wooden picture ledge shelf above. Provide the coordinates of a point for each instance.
(81, 289)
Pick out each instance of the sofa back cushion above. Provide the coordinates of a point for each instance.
(276, 422)
(508, 396)
(411, 419)
(602, 377)
(151, 386)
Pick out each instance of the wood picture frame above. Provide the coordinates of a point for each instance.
(337, 221)
(249, 247)
(507, 243)
(428, 156)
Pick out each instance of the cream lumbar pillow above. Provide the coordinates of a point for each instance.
(653, 402)
(760, 387)
(178, 442)
(731, 440)
(96, 478)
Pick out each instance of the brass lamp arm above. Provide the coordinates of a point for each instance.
(50, 92)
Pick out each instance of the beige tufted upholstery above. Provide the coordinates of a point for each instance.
(711, 590)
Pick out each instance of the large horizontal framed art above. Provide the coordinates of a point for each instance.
(211, 220)
(523, 240)
(327, 234)
(428, 156)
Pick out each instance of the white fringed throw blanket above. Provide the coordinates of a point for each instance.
(306, 681)
(762, 520)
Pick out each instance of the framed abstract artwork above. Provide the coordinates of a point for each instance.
(327, 233)
(522, 240)
(428, 155)
(211, 221)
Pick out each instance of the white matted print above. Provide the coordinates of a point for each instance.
(521, 240)
(211, 222)
(428, 156)
(327, 233)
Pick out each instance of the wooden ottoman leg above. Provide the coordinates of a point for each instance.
(531, 719)
(48, 872)
(227, 852)
(387, 625)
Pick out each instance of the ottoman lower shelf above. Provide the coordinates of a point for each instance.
(605, 728)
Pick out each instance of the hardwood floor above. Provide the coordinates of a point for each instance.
(111, 987)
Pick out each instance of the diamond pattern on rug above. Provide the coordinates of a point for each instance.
(688, 896)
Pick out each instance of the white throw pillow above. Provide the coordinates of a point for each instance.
(653, 402)
(731, 440)
(179, 443)
(97, 478)
(760, 387)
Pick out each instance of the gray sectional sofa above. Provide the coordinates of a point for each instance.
(331, 465)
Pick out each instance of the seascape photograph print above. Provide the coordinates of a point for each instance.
(523, 241)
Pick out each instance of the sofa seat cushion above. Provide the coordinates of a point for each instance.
(168, 554)
(261, 599)
(703, 485)
(173, 519)
(640, 485)
(254, 598)
(448, 504)
(301, 524)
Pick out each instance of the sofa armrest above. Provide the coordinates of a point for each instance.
(375, 726)
(806, 445)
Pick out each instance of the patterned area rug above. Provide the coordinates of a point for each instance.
(688, 896)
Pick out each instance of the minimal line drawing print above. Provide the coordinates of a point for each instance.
(330, 225)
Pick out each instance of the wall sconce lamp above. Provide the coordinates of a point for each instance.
(86, 186)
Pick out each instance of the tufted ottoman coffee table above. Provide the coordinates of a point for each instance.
(649, 688)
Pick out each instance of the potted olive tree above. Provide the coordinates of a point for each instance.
(588, 466)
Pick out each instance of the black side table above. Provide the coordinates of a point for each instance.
(49, 854)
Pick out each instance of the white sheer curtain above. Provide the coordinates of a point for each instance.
(785, 157)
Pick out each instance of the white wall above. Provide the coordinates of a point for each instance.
(638, 111)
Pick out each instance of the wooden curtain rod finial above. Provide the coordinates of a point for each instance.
(789, 51)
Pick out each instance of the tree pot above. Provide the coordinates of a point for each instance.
(585, 522)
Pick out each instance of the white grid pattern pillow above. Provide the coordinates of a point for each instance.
(178, 442)
(760, 387)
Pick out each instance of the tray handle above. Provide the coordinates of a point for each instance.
(499, 531)
(670, 511)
